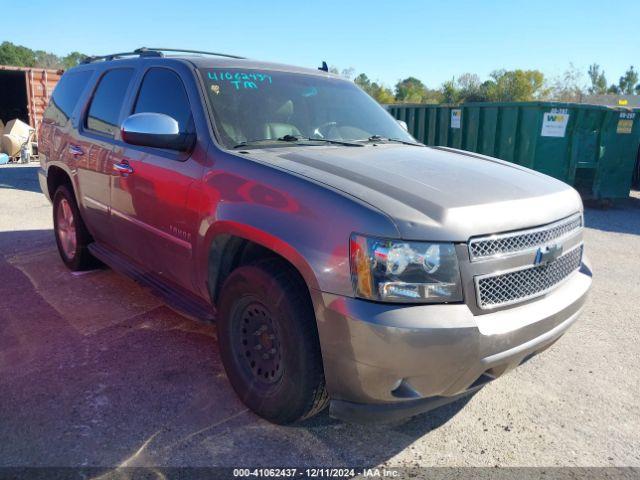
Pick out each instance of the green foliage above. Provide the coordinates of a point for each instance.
(598, 80)
(73, 59)
(450, 93)
(471, 89)
(47, 60)
(16, 55)
(502, 86)
(514, 85)
(379, 92)
(628, 82)
(412, 90)
(19, 56)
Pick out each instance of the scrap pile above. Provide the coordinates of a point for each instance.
(16, 143)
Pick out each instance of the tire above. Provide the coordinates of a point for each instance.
(268, 342)
(72, 236)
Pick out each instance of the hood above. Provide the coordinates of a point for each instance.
(433, 193)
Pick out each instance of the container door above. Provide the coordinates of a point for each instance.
(620, 139)
(552, 152)
(585, 148)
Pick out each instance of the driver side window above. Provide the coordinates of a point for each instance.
(162, 91)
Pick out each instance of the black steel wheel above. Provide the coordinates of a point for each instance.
(269, 343)
(255, 332)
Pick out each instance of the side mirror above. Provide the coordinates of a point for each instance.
(403, 124)
(155, 130)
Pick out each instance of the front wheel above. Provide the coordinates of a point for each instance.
(71, 233)
(269, 344)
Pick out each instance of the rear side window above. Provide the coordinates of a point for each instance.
(162, 91)
(66, 95)
(104, 111)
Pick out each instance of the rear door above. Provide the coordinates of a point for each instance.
(58, 139)
(93, 150)
(155, 196)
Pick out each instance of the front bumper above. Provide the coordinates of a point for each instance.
(384, 362)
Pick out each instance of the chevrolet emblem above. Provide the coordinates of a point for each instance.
(547, 254)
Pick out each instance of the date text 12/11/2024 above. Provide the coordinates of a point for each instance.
(314, 472)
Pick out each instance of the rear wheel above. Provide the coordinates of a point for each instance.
(269, 344)
(72, 236)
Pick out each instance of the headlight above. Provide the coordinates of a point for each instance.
(398, 271)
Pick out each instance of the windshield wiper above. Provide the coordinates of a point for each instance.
(380, 138)
(328, 140)
(295, 138)
(246, 143)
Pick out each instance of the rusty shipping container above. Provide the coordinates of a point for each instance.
(25, 93)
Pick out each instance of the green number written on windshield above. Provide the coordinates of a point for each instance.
(241, 80)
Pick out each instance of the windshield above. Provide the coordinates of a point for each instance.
(260, 105)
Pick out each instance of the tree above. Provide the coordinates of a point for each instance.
(467, 88)
(16, 55)
(628, 82)
(514, 85)
(378, 91)
(613, 89)
(345, 72)
(362, 81)
(46, 60)
(568, 87)
(449, 92)
(470, 88)
(381, 93)
(19, 56)
(410, 90)
(73, 59)
(598, 80)
(348, 72)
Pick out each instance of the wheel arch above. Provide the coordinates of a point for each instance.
(231, 244)
(56, 176)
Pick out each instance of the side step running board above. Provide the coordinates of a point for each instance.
(175, 297)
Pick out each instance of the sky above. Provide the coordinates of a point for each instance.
(431, 40)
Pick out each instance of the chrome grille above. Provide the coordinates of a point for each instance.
(519, 285)
(515, 242)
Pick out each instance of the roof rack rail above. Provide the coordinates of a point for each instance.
(201, 52)
(153, 52)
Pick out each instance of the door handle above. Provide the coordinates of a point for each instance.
(75, 150)
(123, 168)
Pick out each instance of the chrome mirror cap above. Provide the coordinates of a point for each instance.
(155, 130)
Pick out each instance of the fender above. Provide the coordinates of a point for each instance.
(292, 215)
(256, 235)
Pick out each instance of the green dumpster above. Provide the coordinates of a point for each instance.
(592, 147)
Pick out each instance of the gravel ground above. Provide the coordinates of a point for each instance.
(96, 371)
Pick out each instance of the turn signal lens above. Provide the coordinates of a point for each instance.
(360, 266)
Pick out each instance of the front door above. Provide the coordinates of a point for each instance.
(152, 192)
